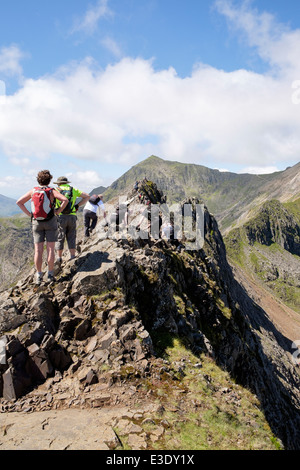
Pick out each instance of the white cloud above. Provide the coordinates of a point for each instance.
(89, 23)
(86, 180)
(112, 46)
(10, 58)
(7, 181)
(275, 42)
(107, 115)
(129, 110)
(2, 88)
(23, 162)
(9, 185)
(15, 186)
(259, 170)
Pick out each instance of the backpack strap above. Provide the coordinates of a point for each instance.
(71, 198)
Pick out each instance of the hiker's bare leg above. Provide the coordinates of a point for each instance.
(50, 255)
(72, 252)
(38, 256)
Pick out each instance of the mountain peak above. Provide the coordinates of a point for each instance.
(229, 196)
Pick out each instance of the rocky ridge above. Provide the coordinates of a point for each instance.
(106, 320)
(275, 224)
(16, 246)
(268, 246)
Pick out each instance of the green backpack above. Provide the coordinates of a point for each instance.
(68, 193)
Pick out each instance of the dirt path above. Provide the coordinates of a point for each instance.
(72, 429)
(59, 430)
(284, 318)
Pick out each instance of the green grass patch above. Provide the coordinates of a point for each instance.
(204, 409)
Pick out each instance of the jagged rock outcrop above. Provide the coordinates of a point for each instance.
(268, 246)
(111, 307)
(275, 224)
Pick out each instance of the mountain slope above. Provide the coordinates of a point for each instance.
(8, 206)
(268, 246)
(235, 200)
(99, 190)
(229, 196)
(16, 249)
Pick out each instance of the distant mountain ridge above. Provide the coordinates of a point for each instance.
(229, 196)
(268, 247)
(8, 206)
(99, 190)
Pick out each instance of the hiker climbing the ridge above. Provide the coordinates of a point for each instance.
(121, 214)
(167, 231)
(68, 219)
(150, 219)
(145, 214)
(90, 213)
(44, 221)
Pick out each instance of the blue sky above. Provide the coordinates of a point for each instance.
(90, 88)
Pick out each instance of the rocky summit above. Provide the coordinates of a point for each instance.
(97, 338)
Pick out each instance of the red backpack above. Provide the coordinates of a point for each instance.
(41, 206)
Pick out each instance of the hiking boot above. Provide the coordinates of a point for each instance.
(58, 265)
(38, 279)
(50, 278)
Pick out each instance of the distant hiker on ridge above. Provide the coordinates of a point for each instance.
(44, 221)
(121, 214)
(68, 220)
(90, 213)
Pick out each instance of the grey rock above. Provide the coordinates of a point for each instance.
(106, 340)
(81, 331)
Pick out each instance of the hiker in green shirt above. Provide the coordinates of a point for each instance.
(68, 219)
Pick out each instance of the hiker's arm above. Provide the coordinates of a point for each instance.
(22, 201)
(64, 201)
(101, 206)
(85, 197)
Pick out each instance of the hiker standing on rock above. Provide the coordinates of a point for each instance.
(121, 214)
(90, 213)
(68, 220)
(44, 221)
